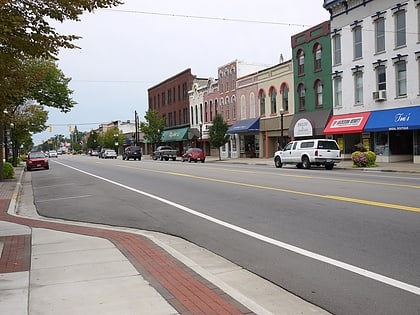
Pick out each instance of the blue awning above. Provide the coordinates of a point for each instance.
(246, 125)
(406, 118)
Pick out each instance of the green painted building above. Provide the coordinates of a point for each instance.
(312, 67)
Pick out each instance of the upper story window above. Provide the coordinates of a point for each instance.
(380, 35)
(301, 62)
(301, 95)
(338, 91)
(358, 87)
(273, 100)
(261, 96)
(233, 101)
(318, 93)
(317, 57)
(381, 77)
(401, 76)
(216, 107)
(285, 97)
(336, 49)
(357, 42)
(400, 29)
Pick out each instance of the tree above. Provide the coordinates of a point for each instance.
(153, 126)
(217, 133)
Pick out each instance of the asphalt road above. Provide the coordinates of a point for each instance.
(346, 241)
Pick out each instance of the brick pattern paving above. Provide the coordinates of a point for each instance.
(184, 289)
(16, 254)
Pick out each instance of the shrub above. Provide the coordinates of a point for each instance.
(363, 159)
(8, 170)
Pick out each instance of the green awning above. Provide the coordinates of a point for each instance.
(174, 135)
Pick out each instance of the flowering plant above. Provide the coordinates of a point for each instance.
(363, 159)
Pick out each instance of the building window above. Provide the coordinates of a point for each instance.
(211, 110)
(301, 62)
(285, 97)
(301, 95)
(273, 100)
(216, 109)
(318, 93)
(243, 107)
(175, 118)
(357, 42)
(201, 113)
(252, 106)
(401, 75)
(380, 35)
(381, 78)
(317, 57)
(206, 112)
(184, 91)
(163, 98)
(337, 49)
(169, 96)
(261, 96)
(222, 109)
(400, 29)
(358, 87)
(227, 108)
(338, 102)
(233, 107)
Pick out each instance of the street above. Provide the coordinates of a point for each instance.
(345, 241)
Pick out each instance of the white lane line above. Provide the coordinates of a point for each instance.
(363, 272)
(64, 198)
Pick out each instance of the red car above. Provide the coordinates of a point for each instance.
(194, 154)
(37, 160)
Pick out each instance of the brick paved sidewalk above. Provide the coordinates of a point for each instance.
(184, 289)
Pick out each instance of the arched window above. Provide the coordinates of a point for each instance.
(227, 108)
(273, 100)
(243, 107)
(252, 106)
(301, 95)
(233, 107)
(206, 112)
(318, 93)
(261, 96)
(301, 62)
(285, 97)
(317, 57)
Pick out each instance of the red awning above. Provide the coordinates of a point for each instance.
(348, 123)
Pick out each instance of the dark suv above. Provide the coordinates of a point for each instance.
(132, 153)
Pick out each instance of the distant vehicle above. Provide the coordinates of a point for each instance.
(109, 154)
(93, 153)
(37, 160)
(164, 152)
(101, 152)
(304, 153)
(132, 152)
(53, 154)
(194, 154)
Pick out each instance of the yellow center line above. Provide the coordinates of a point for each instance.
(339, 198)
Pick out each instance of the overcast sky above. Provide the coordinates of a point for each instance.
(130, 48)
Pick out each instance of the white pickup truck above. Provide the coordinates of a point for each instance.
(304, 153)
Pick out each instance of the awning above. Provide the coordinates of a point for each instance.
(348, 123)
(174, 135)
(406, 118)
(309, 124)
(246, 125)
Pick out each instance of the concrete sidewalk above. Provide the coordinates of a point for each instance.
(56, 267)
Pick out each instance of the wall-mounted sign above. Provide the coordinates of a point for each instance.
(303, 128)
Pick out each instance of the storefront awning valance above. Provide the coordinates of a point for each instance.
(174, 135)
(406, 118)
(347, 123)
(246, 125)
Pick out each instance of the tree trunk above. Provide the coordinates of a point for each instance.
(220, 155)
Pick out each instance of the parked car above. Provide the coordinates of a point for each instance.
(304, 153)
(53, 154)
(101, 152)
(109, 154)
(132, 152)
(194, 154)
(93, 153)
(164, 152)
(37, 160)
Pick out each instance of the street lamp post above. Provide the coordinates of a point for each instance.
(116, 142)
(281, 128)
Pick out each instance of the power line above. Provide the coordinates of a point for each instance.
(199, 17)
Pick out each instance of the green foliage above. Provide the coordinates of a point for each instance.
(217, 133)
(8, 171)
(111, 136)
(363, 159)
(153, 126)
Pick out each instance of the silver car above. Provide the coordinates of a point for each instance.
(109, 154)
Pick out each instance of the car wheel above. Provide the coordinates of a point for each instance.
(174, 159)
(189, 160)
(305, 162)
(277, 162)
(166, 159)
(299, 165)
(161, 158)
(195, 161)
(329, 166)
(202, 161)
